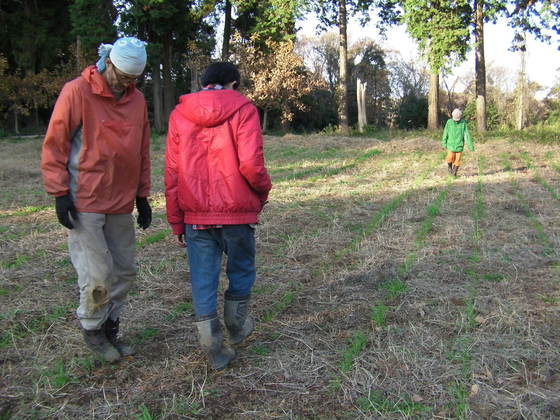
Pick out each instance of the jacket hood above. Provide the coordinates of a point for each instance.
(99, 85)
(209, 108)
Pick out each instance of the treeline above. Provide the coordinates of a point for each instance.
(305, 84)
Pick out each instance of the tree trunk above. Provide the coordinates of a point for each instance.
(265, 120)
(433, 101)
(158, 108)
(522, 91)
(195, 78)
(480, 67)
(343, 74)
(168, 89)
(36, 113)
(227, 30)
(361, 97)
(79, 62)
(16, 121)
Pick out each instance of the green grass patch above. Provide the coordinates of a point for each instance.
(493, 277)
(146, 334)
(153, 238)
(15, 263)
(506, 163)
(460, 395)
(549, 247)
(178, 310)
(260, 349)
(378, 314)
(145, 413)
(36, 325)
(59, 376)
(26, 211)
(548, 187)
(550, 299)
(395, 288)
(280, 306)
(357, 344)
(381, 405)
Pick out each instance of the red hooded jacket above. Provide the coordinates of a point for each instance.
(214, 163)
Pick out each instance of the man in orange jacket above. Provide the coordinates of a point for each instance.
(216, 184)
(96, 163)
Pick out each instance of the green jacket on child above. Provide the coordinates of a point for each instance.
(455, 134)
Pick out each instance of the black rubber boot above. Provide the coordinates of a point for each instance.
(454, 171)
(450, 167)
(98, 343)
(211, 339)
(112, 333)
(240, 325)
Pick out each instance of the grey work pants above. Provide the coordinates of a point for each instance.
(102, 250)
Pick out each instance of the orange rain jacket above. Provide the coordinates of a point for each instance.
(97, 149)
(215, 172)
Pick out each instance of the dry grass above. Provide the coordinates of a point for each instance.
(471, 294)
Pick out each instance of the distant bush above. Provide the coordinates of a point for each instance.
(413, 112)
(494, 120)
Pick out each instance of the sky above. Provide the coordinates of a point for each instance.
(542, 60)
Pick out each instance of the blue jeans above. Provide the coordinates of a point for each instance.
(205, 248)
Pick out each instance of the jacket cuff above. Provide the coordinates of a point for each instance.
(178, 228)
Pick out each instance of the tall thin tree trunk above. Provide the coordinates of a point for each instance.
(361, 97)
(158, 109)
(480, 67)
(195, 78)
(79, 61)
(522, 91)
(343, 73)
(433, 101)
(16, 121)
(227, 30)
(265, 120)
(168, 89)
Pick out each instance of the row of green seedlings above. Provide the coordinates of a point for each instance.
(376, 220)
(549, 247)
(63, 373)
(551, 190)
(328, 170)
(20, 260)
(294, 288)
(325, 217)
(37, 325)
(25, 211)
(462, 346)
(377, 402)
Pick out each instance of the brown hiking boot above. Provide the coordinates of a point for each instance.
(450, 167)
(454, 171)
(112, 333)
(98, 343)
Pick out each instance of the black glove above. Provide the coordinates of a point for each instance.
(64, 205)
(144, 212)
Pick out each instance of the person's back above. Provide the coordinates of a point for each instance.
(215, 138)
(216, 184)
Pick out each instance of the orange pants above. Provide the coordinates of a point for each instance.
(454, 158)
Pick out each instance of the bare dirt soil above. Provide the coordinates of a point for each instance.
(386, 289)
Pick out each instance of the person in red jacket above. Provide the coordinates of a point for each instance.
(216, 184)
(96, 163)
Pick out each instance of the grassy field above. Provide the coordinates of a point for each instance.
(386, 289)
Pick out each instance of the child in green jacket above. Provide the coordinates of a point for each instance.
(454, 136)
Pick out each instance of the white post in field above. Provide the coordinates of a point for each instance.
(361, 96)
